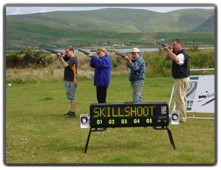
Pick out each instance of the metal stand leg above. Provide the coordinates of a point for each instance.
(88, 138)
(89, 135)
(169, 134)
(170, 137)
(156, 128)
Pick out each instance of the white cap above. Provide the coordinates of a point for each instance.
(135, 50)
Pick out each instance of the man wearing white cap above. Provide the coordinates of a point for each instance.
(137, 73)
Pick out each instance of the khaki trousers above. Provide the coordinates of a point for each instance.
(180, 90)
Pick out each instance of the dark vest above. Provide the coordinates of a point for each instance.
(181, 71)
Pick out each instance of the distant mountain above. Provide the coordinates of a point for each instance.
(207, 26)
(117, 20)
(112, 25)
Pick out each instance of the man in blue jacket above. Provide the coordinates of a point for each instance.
(102, 65)
(137, 73)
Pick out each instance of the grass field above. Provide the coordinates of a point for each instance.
(36, 132)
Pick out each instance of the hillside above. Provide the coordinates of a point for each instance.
(204, 26)
(98, 27)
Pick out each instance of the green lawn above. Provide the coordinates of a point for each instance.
(36, 132)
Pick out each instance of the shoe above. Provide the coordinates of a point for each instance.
(183, 121)
(71, 115)
(66, 114)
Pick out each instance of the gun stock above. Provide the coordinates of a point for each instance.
(161, 43)
(120, 54)
(84, 51)
(54, 51)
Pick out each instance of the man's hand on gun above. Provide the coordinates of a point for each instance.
(58, 54)
(165, 46)
(125, 57)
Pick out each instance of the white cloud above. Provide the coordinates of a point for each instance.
(14, 10)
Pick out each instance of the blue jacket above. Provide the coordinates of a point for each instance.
(138, 70)
(102, 66)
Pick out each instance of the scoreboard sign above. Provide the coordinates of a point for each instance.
(104, 115)
(129, 114)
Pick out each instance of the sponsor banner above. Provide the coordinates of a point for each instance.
(200, 94)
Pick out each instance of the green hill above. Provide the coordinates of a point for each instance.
(98, 27)
(204, 26)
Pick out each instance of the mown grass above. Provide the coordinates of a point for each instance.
(36, 132)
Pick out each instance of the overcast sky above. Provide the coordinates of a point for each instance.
(14, 10)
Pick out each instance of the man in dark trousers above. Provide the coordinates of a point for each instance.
(180, 73)
(69, 61)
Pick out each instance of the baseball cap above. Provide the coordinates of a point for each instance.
(135, 50)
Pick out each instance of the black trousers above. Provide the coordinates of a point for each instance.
(101, 94)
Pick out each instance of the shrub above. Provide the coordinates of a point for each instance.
(28, 58)
(202, 59)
